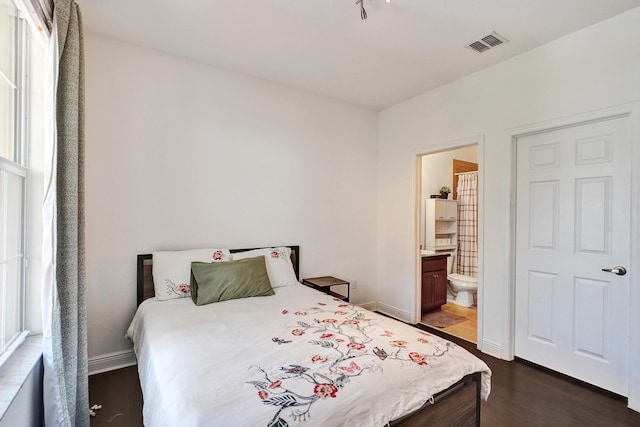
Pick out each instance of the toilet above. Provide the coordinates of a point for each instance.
(464, 287)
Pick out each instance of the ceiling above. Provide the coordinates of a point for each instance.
(403, 49)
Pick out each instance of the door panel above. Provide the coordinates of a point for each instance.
(593, 215)
(543, 227)
(572, 220)
(591, 317)
(542, 288)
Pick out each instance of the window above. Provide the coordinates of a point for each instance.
(13, 173)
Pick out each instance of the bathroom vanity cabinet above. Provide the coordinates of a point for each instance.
(441, 217)
(434, 282)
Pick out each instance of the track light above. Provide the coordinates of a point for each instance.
(363, 13)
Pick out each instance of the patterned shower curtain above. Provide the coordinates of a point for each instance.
(467, 259)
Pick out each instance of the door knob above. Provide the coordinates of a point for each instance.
(619, 270)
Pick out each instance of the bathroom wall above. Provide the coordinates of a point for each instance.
(437, 170)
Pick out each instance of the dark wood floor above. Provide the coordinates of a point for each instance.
(521, 395)
(120, 396)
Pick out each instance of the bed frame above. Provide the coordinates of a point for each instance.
(459, 405)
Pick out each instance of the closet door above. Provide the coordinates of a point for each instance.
(573, 219)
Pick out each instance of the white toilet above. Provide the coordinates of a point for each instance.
(464, 287)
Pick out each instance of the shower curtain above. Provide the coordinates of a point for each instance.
(467, 259)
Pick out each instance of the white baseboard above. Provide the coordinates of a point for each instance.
(394, 312)
(112, 361)
(371, 306)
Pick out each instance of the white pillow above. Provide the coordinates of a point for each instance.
(279, 267)
(172, 270)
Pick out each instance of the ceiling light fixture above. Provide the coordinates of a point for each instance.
(363, 13)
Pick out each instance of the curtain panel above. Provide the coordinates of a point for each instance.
(467, 262)
(65, 331)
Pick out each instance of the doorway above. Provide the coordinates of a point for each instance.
(448, 238)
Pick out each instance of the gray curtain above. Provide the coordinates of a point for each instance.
(69, 323)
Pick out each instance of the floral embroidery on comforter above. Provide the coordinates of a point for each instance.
(343, 343)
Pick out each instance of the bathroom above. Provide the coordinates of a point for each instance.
(449, 241)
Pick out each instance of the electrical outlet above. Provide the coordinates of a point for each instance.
(354, 284)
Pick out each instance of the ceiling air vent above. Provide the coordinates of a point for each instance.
(487, 42)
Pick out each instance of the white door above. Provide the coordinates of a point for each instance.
(573, 220)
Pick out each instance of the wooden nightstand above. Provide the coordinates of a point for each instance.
(324, 284)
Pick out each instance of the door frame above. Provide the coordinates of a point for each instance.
(477, 140)
(632, 111)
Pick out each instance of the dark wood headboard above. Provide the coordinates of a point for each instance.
(145, 274)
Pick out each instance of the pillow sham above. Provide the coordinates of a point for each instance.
(279, 266)
(215, 282)
(172, 270)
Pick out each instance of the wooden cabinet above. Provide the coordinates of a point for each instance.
(434, 282)
(441, 224)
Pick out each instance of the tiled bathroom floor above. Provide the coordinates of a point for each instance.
(467, 330)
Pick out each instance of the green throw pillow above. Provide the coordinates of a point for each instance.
(221, 281)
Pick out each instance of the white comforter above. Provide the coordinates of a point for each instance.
(296, 358)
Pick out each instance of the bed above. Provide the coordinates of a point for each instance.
(295, 358)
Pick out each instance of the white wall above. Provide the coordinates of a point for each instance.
(183, 155)
(592, 69)
(437, 168)
(26, 409)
